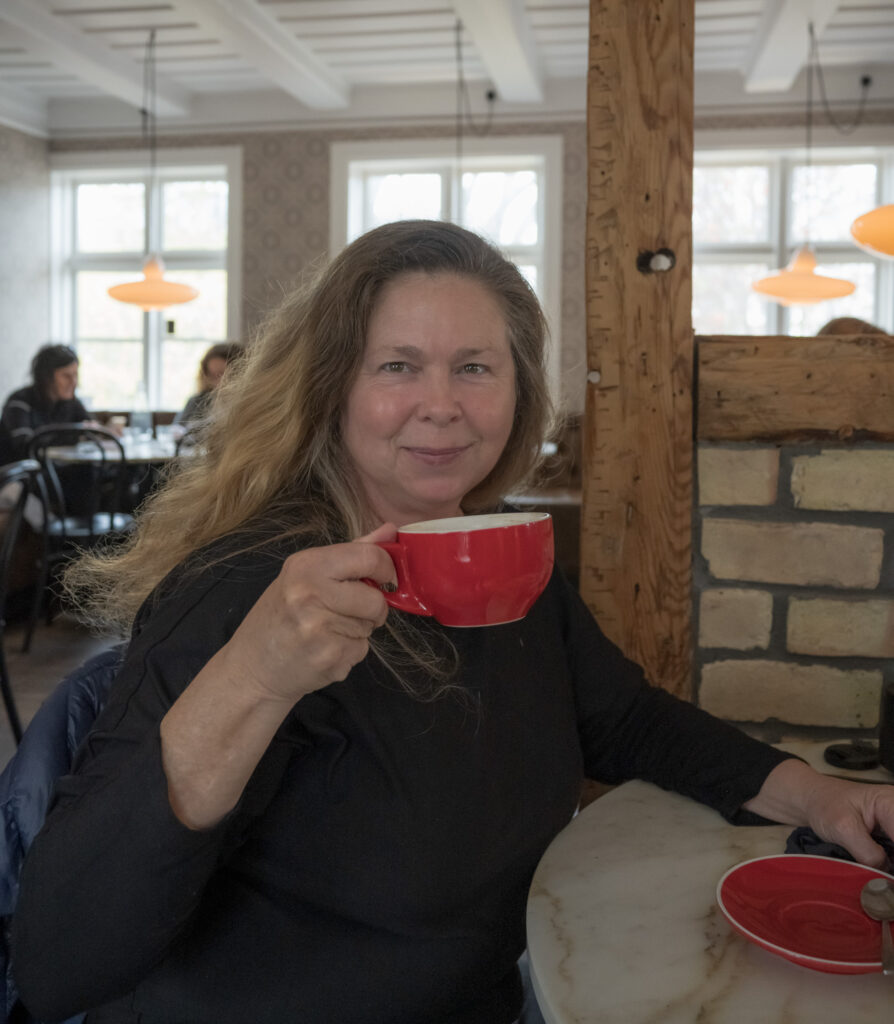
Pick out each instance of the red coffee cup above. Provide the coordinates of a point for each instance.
(472, 570)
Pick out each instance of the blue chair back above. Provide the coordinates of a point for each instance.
(26, 786)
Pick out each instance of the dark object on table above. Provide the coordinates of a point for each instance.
(805, 840)
(858, 755)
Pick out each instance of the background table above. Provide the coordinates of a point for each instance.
(623, 926)
(141, 450)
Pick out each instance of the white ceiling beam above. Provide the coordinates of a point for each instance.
(72, 51)
(502, 36)
(22, 112)
(781, 47)
(271, 49)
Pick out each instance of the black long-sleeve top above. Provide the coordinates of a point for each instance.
(377, 866)
(24, 411)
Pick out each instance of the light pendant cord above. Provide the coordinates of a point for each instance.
(460, 84)
(464, 104)
(865, 84)
(147, 114)
(809, 162)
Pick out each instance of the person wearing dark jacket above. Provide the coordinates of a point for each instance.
(298, 805)
(211, 371)
(50, 398)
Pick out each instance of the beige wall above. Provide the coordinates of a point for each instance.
(24, 254)
(285, 216)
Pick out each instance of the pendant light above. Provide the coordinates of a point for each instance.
(874, 231)
(798, 283)
(152, 292)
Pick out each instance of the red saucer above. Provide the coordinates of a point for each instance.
(806, 909)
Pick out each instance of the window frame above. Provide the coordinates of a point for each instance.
(779, 248)
(440, 154)
(68, 170)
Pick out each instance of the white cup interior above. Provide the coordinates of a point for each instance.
(465, 524)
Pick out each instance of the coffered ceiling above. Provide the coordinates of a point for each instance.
(70, 67)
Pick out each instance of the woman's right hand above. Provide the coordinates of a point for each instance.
(306, 630)
(314, 621)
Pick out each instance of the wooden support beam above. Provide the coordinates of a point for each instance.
(637, 487)
(790, 389)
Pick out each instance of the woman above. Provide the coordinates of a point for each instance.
(297, 806)
(211, 370)
(50, 398)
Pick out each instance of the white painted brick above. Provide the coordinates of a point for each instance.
(753, 690)
(803, 554)
(857, 628)
(861, 481)
(737, 476)
(736, 618)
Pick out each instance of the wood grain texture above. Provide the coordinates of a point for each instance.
(637, 487)
(789, 389)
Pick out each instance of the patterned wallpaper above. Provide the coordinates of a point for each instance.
(285, 216)
(24, 254)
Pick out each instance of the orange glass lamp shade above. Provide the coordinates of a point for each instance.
(799, 284)
(153, 292)
(874, 231)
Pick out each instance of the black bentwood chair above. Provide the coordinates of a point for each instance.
(26, 475)
(84, 477)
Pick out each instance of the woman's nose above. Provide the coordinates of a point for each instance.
(438, 401)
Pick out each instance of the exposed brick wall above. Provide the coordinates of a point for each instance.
(794, 577)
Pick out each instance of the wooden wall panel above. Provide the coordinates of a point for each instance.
(782, 388)
(636, 516)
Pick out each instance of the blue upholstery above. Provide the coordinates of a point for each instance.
(27, 782)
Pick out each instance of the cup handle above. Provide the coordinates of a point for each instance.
(404, 598)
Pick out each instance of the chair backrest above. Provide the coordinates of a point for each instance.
(98, 465)
(18, 481)
(26, 784)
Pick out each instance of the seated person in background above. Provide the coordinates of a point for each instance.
(49, 399)
(849, 325)
(298, 805)
(211, 371)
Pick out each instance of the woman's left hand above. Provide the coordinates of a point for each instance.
(837, 810)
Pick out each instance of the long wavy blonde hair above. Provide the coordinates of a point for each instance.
(272, 446)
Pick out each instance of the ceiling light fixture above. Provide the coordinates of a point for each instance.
(798, 283)
(874, 231)
(152, 292)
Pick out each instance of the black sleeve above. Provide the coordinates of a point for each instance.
(630, 729)
(114, 877)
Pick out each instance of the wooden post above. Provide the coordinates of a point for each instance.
(637, 486)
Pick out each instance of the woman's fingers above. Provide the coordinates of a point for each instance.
(313, 623)
(848, 812)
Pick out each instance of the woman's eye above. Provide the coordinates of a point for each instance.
(395, 366)
(475, 368)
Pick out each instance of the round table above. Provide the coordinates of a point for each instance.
(623, 927)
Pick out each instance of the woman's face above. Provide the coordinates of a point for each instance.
(433, 404)
(214, 371)
(63, 383)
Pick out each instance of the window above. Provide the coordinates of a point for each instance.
(508, 190)
(106, 216)
(751, 211)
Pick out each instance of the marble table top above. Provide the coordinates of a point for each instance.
(623, 926)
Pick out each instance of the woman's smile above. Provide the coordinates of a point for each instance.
(437, 455)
